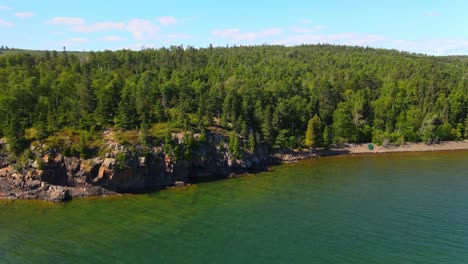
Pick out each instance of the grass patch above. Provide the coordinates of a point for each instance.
(74, 142)
(129, 137)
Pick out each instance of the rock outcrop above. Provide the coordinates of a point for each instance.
(57, 178)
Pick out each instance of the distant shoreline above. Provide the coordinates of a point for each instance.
(409, 147)
(362, 148)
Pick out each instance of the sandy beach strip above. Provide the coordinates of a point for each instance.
(408, 147)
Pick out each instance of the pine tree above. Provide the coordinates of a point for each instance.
(251, 142)
(234, 145)
(126, 114)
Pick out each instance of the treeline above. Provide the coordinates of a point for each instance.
(265, 94)
(4, 48)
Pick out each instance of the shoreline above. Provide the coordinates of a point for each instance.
(15, 186)
(409, 147)
(362, 148)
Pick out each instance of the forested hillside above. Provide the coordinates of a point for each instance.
(263, 94)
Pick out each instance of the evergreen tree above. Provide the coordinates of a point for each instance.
(313, 133)
(252, 144)
(234, 145)
(327, 137)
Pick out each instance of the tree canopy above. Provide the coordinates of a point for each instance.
(358, 94)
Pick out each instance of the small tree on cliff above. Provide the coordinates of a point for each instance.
(234, 145)
(313, 133)
(251, 142)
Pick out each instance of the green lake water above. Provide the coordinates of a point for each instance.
(392, 208)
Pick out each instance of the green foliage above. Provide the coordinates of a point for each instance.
(23, 159)
(233, 146)
(120, 161)
(313, 136)
(343, 128)
(457, 133)
(168, 144)
(188, 146)
(40, 163)
(429, 128)
(359, 94)
(444, 132)
(282, 140)
(327, 137)
(203, 138)
(466, 128)
(252, 144)
(83, 147)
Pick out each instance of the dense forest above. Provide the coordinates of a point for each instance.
(310, 95)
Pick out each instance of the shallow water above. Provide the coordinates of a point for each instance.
(392, 208)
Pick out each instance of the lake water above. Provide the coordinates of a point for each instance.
(392, 208)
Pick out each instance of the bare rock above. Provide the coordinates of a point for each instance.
(106, 169)
(58, 194)
(179, 184)
(5, 172)
(72, 164)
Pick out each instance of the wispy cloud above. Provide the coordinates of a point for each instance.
(5, 8)
(167, 20)
(4, 23)
(79, 40)
(427, 46)
(237, 35)
(100, 26)
(179, 36)
(74, 42)
(446, 46)
(142, 29)
(112, 38)
(67, 21)
(24, 14)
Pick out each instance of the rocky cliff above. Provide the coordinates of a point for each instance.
(121, 169)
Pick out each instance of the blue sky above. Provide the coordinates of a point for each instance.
(431, 27)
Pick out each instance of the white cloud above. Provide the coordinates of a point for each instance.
(427, 46)
(433, 46)
(100, 26)
(112, 38)
(24, 14)
(179, 36)
(4, 8)
(142, 29)
(67, 21)
(167, 20)
(4, 23)
(237, 34)
(79, 40)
